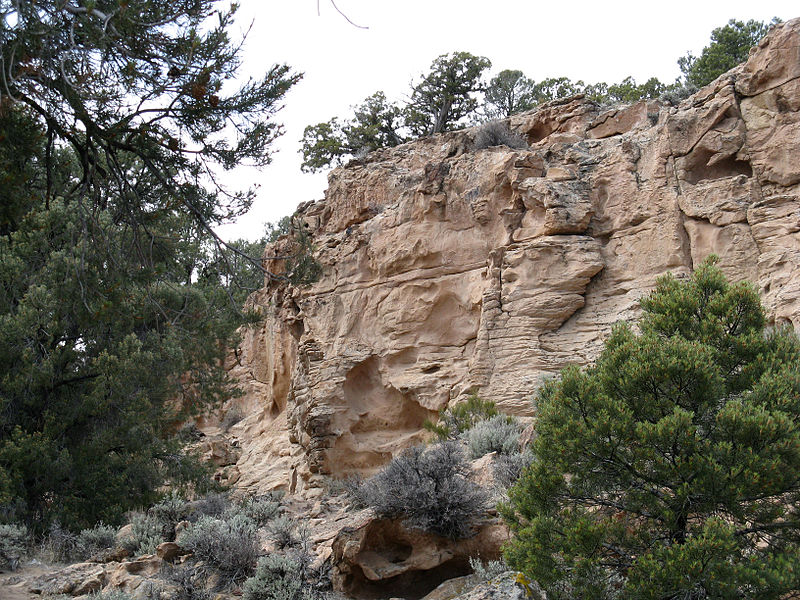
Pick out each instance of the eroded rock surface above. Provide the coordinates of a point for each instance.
(448, 269)
(379, 558)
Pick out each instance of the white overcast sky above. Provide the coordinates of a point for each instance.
(342, 65)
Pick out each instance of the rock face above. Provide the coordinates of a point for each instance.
(380, 558)
(449, 269)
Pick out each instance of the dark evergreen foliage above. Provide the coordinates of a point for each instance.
(508, 93)
(730, 45)
(446, 95)
(671, 468)
(441, 101)
(117, 299)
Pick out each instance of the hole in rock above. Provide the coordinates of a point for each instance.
(410, 585)
(538, 132)
(375, 415)
(379, 406)
(431, 369)
(698, 170)
(396, 552)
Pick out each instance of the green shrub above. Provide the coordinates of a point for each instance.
(459, 418)
(507, 468)
(146, 534)
(281, 531)
(230, 545)
(670, 468)
(487, 570)
(428, 489)
(168, 512)
(98, 538)
(13, 545)
(210, 505)
(498, 434)
(261, 509)
(281, 577)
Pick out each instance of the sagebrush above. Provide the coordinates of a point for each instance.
(498, 434)
(429, 489)
(13, 545)
(497, 133)
(283, 577)
(230, 545)
(457, 419)
(145, 534)
(98, 538)
(260, 509)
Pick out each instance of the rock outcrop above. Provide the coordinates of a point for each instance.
(449, 269)
(378, 558)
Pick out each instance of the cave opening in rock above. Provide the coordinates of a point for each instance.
(411, 585)
(698, 169)
(538, 132)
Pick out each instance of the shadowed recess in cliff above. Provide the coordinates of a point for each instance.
(383, 559)
(374, 414)
(410, 585)
(699, 166)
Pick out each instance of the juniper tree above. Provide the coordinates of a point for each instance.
(141, 86)
(99, 352)
(671, 468)
(508, 93)
(375, 124)
(730, 45)
(117, 299)
(446, 95)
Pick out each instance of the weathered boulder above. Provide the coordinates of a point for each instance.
(381, 558)
(506, 586)
(74, 580)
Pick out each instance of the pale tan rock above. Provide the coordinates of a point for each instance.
(381, 557)
(168, 551)
(124, 534)
(773, 133)
(89, 586)
(131, 576)
(560, 174)
(773, 63)
(148, 564)
(74, 580)
(218, 451)
(448, 270)
(453, 588)
(623, 120)
(508, 586)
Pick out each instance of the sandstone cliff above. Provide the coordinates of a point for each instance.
(449, 269)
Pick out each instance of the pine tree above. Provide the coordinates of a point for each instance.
(671, 468)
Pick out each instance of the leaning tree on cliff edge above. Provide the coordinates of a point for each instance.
(671, 468)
